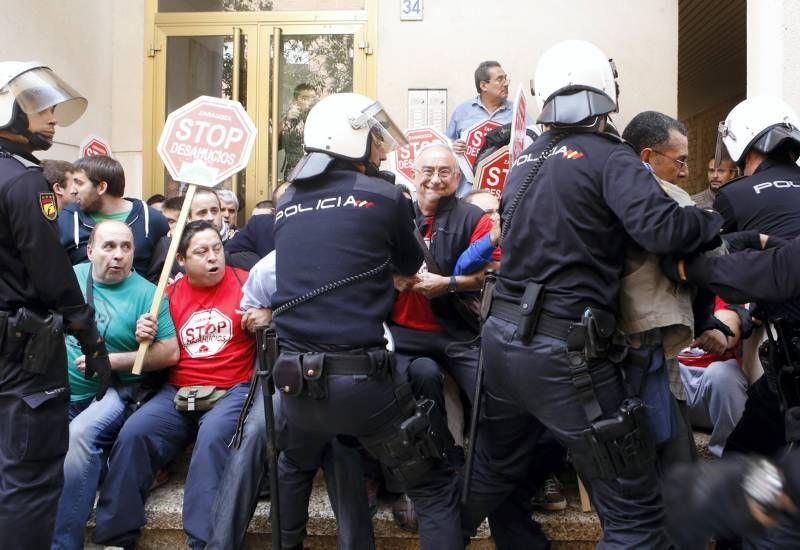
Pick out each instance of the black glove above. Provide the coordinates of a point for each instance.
(669, 267)
(742, 240)
(707, 499)
(97, 362)
(745, 317)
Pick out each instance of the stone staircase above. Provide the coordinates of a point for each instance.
(570, 529)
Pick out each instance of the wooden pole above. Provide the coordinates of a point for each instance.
(165, 272)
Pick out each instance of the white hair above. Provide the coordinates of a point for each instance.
(436, 145)
(228, 196)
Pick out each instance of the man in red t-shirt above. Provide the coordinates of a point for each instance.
(214, 351)
(716, 387)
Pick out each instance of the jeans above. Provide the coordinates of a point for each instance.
(93, 427)
(154, 435)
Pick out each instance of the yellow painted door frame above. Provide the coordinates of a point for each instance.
(262, 30)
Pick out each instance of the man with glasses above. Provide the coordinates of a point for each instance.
(718, 176)
(491, 83)
(657, 316)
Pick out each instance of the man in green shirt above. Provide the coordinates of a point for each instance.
(121, 299)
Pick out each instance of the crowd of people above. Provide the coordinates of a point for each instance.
(592, 317)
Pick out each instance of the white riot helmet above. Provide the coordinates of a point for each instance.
(763, 123)
(31, 87)
(574, 81)
(342, 126)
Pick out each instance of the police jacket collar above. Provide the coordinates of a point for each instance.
(768, 163)
(19, 150)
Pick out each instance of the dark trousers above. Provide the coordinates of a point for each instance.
(421, 358)
(34, 436)
(528, 389)
(152, 436)
(460, 360)
(238, 495)
(362, 406)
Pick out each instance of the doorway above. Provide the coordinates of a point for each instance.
(278, 65)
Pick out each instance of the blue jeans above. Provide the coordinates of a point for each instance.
(93, 427)
(152, 436)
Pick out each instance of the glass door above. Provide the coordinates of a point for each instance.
(277, 72)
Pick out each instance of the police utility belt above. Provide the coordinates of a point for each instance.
(34, 340)
(298, 373)
(619, 445)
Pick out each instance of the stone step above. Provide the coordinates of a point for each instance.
(568, 529)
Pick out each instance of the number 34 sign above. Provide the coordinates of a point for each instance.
(411, 10)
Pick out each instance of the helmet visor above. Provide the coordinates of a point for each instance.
(382, 127)
(40, 89)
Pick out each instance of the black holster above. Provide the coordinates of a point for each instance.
(621, 446)
(42, 338)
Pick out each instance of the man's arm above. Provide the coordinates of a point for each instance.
(751, 275)
(652, 219)
(160, 355)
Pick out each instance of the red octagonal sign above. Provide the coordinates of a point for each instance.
(418, 138)
(492, 171)
(94, 145)
(207, 141)
(475, 137)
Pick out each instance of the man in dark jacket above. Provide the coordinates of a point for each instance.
(100, 182)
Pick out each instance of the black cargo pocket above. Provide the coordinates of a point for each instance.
(43, 424)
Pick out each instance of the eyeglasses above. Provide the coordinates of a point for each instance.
(444, 173)
(680, 164)
(503, 80)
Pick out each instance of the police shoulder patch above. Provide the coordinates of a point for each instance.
(49, 206)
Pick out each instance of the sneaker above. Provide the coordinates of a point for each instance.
(550, 496)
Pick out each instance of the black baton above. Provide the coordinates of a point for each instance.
(486, 304)
(267, 350)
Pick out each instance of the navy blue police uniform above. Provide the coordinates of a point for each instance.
(334, 370)
(37, 291)
(768, 201)
(569, 234)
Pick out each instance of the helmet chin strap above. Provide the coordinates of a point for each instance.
(19, 126)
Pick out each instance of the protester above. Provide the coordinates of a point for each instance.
(718, 177)
(122, 299)
(215, 352)
(491, 103)
(58, 174)
(100, 184)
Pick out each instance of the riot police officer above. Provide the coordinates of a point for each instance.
(39, 300)
(341, 230)
(571, 201)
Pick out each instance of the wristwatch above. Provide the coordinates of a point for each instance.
(763, 484)
(452, 286)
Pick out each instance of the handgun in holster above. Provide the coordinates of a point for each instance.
(416, 430)
(622, 446)
(45, 338)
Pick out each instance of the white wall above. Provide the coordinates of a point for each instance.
(773, 40)
(443, 50)
(97, 47)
